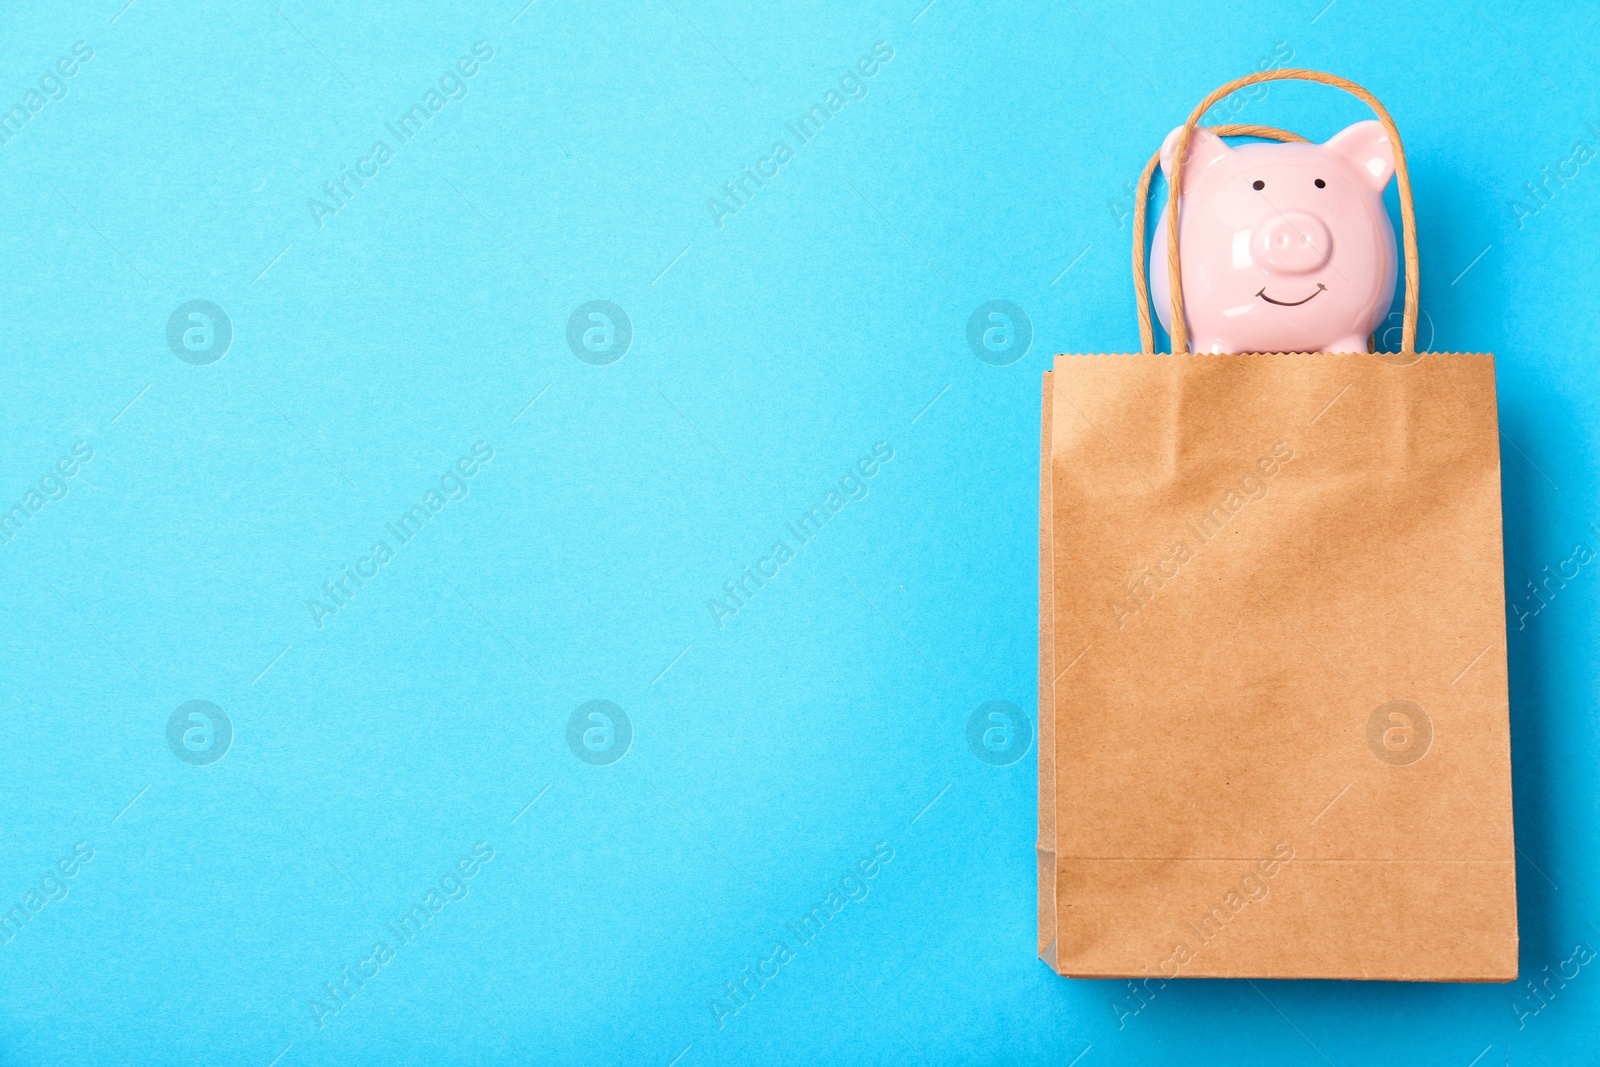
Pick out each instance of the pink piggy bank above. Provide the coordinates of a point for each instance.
(1285, 247)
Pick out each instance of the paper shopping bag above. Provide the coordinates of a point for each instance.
(1274, 735)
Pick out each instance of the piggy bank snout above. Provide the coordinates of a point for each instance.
(1293, 243)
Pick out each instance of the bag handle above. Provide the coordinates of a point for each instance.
(1408, 214)
(1141, 285)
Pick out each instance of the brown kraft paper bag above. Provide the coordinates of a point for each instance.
(1274, 735)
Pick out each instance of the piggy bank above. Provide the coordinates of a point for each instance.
(1285, 247)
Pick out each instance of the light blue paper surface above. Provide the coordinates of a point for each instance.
(814, 728)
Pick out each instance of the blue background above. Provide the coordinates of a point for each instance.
(772, 348)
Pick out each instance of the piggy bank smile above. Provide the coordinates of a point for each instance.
(1291, 303)
(1285, 247)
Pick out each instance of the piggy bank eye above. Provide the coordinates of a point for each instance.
(1258, 184)
(1321, 184)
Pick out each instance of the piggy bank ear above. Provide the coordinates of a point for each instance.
(1366, 147)
(1205, 149)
